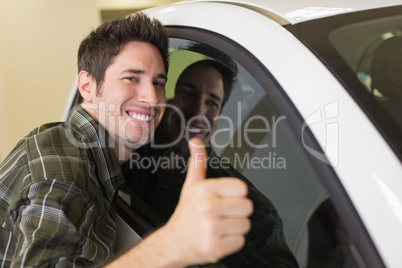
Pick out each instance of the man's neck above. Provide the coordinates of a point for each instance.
(122, 152)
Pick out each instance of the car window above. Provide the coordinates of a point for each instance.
(257, 137)
(364, 50)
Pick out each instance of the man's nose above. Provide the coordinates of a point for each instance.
(147, 94)
(197, 107)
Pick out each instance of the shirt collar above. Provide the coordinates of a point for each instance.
(91, 135)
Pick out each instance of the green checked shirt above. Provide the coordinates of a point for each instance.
(56, 197)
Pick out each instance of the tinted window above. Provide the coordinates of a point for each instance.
(256, 135)
(364, 49)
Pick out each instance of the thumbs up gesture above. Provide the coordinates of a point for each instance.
(211, 218)
(209, 222)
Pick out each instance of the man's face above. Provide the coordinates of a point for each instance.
(198, 95)
(130, 103)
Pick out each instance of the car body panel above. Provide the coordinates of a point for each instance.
(366, 165)
(126, 237)
(290, 12)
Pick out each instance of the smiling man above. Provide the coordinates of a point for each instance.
(130, 101)
(58, 186)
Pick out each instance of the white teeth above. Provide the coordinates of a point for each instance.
(195, 130)
(141, 117)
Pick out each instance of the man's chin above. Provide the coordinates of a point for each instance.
(135, 142)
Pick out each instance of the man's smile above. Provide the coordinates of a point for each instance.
(197, 127)
(145, 117)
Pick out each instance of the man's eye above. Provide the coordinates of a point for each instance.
(213, 104)
(184, 92)
(159, 84)
(133, 79)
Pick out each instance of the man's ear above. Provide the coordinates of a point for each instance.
(86, 86)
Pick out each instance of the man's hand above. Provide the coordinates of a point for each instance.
(209, 222)
(211, 218)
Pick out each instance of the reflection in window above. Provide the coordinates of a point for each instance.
(363, 51)
(256, 139)
(373, 51)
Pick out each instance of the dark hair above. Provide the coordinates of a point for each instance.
(221, 62)
(103, 44)
(228, 75)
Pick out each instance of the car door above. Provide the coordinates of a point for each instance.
(264, 137)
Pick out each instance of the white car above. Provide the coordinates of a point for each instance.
(315, 117)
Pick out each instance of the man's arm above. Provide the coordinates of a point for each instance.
(208, 224)
(53, 224)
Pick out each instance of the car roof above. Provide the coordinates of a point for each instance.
(295, 11)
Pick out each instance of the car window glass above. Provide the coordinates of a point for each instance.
(364, 50)
(374, 54)
(255, 137)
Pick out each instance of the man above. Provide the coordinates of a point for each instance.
(59, 184)
(200, 94)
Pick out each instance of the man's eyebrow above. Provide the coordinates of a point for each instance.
(135, 71)
(214, 96)
(191, 86)
(161, 76)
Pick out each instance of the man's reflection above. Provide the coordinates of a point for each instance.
(200, 93)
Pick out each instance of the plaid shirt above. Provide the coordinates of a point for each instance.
(56, 195)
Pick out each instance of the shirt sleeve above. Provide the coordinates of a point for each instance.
(56, 223)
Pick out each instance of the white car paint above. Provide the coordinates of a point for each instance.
(293, 11)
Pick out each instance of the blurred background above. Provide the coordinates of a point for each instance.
(39, 41)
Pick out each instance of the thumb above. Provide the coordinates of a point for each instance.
(198, 161)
